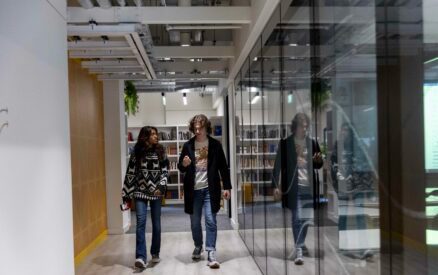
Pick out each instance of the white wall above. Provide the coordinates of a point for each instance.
(152, 111)
(115, 155)
(36, 223)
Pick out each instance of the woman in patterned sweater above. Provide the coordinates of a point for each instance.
(146, 181)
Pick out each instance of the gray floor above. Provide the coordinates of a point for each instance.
(173, 219)
(116, 256)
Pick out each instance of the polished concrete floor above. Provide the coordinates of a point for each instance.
(116, 255)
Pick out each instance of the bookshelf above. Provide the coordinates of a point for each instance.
(257, 146)
(173, 137)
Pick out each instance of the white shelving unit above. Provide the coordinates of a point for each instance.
(173, 137)
(256, 153)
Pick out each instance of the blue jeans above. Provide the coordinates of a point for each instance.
(202, 200)
(141, 209)
(302, 214)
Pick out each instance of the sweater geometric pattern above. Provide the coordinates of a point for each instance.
(151, 176)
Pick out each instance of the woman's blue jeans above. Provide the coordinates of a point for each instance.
(141, 209)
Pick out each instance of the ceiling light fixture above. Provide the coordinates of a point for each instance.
(164, 99)
(184, 99)
(290, 97)
(256, 98)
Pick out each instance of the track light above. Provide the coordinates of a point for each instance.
(256, 98)
(164, 99)
(184, 99)
(290, 97)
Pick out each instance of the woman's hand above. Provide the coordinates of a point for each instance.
(157, 193)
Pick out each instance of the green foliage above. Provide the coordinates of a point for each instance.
(131, 98)
(320, 93)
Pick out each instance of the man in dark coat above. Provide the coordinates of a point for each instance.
(297, 158)
(203, 163)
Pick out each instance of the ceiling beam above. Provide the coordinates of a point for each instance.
(115, 70)
(192, 76)
(100, 30)
(193, 52)
(191, 66)
(162, 15)
(101, 54)
(245, 38)
(111, 64)
(98, 45)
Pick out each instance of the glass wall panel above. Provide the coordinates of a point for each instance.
(271, 133)
(303, 159)
(344, 104)
(248, 166)
(239, 176)
(257, 116)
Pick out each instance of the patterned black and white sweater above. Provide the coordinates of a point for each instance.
(142, 182)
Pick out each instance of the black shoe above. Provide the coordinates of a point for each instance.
(196, 255)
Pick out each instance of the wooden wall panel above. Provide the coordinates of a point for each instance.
(88, 156)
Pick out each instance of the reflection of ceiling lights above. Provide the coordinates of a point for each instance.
(253, 89)
(184, 98)
(290, 97)
(167, 58)
(293, 45)
(185, 45)
(256, 98)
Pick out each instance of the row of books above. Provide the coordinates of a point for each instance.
(173, 165)
(171, 150)
(167, 135)
(185, 135)
(263, 133)
(248, 163)
(248, 149)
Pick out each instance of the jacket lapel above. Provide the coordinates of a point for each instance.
(210, 153)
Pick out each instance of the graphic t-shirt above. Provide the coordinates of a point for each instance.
(201, 155)
(302, 161)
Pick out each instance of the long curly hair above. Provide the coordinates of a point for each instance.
(203, 120)
(143, 146)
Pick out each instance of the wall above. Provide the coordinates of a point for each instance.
(153, 112)
(36, 220)
(88, 156)
(115, 154)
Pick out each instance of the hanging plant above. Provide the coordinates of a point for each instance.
(131, 98)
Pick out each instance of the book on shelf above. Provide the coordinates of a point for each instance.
(185, 135)
(168, 135)
(130, 137)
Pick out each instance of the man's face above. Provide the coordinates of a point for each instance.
(200, 131)
(302, 128)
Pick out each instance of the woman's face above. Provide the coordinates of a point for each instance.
(153, 138)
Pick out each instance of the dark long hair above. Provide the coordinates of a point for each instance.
(143, 146)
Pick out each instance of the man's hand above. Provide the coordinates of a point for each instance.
(227, 194)
(186, 161)
(317, 157)
(277, 194)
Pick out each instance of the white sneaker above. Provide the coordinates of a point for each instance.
(212, 262)
(299, 257)
(155, 259)
(139, 263)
